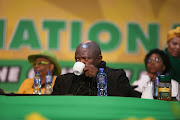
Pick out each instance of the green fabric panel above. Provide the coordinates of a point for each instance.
(84, 107)
(175, 66)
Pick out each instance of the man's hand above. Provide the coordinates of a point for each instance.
(90, 70)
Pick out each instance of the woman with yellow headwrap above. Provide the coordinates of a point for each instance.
(173, 51)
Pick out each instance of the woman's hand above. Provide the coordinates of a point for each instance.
(152, 76)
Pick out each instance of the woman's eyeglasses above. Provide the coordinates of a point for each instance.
(157, 60)
(41, 63)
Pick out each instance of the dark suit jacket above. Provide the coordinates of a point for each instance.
(117, 84)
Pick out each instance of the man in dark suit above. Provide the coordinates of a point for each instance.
(89, 53)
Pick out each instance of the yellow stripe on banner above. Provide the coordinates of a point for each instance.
(163, 89)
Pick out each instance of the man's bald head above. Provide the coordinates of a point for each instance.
(92, 46)
(89, 53)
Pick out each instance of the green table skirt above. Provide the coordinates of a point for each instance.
(86, 108)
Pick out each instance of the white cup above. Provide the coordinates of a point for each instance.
(78, 68)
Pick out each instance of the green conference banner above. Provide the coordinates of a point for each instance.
(86, 108)
(125, 31)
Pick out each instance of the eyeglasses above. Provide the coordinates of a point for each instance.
(41, 63)
(157, 60)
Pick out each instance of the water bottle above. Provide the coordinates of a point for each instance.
(37, 83)
(101, 83)
(156, 83)
(178, 95)
(48, 83)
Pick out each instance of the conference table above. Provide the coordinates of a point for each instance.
(48, 107)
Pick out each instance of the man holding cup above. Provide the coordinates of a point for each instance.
(83, 81)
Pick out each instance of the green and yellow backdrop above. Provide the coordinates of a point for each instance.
(125, 30)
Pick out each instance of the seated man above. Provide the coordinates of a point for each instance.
(43, 62)
(89, 53)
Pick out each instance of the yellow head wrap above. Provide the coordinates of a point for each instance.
(173, 33)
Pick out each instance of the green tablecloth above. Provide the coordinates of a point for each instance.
(86, 108)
